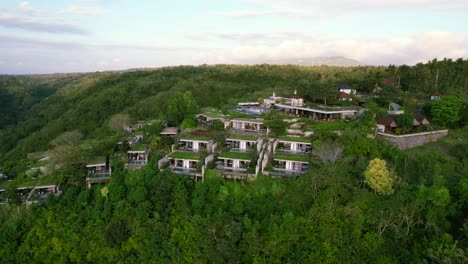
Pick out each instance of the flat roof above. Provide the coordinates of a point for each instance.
(138, 148)
(316, 110)
(242, 137)
(295, 139)
(185, 155)
(97, 161)
(169, 131)
(214, 114)
(258, 121)
(195, 138)
(292, 157)
(248, 103)
(236, 155)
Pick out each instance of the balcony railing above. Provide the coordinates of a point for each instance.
(288, 151)
(260, 131)
(238, 170)
(98, 175)
(281, 172)
(186, 171)
(187, 149)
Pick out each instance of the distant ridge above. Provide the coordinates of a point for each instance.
(318, 61)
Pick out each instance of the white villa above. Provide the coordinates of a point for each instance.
(247, 125)
(137, 157)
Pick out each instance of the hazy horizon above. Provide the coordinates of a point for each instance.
(40, 37)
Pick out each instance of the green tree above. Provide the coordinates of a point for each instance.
(405, 121)
(181, 106)
(322, 91)
(379, 178)
(447, 110)
(119, 121)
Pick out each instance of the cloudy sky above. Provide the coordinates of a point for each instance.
(39, 36)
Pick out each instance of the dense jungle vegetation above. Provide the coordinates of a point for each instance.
(332, 214)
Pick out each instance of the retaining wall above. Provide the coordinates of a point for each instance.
(413, 140)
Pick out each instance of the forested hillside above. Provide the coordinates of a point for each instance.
(362, 200)
(86, 102)
(18, 94)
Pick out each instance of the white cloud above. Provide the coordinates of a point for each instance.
(332, 8)
(25, 7)
(405, 50)
(40, 25)
(283, 11)
(267, 38)
(358, 5)
(82, 10)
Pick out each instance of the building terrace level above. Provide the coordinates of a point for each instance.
(316, 113)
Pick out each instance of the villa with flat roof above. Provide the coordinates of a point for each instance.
(240, 162)
(187, 163)
(99, 171)
(294, 145)
(195, 143)
(290, 156)
(289, 165)
(318, 112)
(137, 157)
(247, 125)
(208, 117)
(236, 165)
(243, 143)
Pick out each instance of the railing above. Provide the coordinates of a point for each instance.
(259, 131)
(282, 150)
(179, 170)
(98, 176)
(185, 149)
(238, 170)
(241, 150)
(279, 172)
(137, 162)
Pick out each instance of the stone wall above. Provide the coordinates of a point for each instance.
(413, 140)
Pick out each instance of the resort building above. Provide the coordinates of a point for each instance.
(99, 171)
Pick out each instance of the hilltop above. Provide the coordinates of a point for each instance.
(338, 61)
(87, 175)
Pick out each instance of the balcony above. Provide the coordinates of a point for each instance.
(284, 173)
(249, 130)
(181, 170)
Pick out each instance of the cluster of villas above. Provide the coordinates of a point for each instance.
(242, 155)
(247, 151)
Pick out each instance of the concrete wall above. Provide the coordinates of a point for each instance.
(208, 159)
(163, 161)
(259, 144)
(413, 140)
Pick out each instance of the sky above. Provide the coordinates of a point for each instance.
(47, 36)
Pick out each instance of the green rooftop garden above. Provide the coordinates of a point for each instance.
(28, 181)
(213, 113)
(295, 139)
(195, 137)
(328, 108)
(185, 155)
(234, 114)
(97, 160)
(243, 137)
(139, 147)
(293, 157)
(252, 120)
(236, 155)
